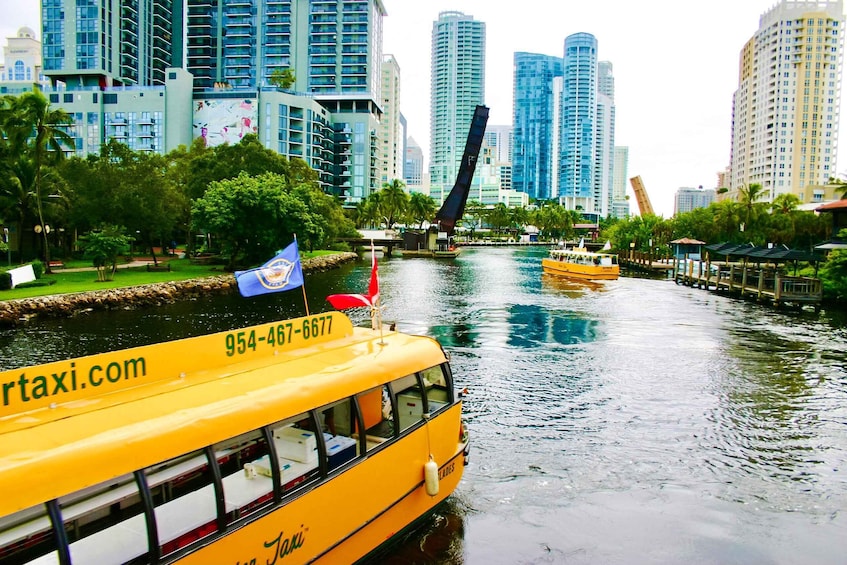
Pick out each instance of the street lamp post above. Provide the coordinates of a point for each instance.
(8, 245)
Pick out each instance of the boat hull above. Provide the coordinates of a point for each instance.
(353, 514)
(582, 272)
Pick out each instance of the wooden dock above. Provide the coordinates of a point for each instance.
(764, 284)
(647, 262)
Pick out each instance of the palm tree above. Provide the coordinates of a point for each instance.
(367, 211)
(728, 219)
(421, 208)
(34, 138)
(748, 195)
(393, 201)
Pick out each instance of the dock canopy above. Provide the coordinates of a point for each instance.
(773, 254)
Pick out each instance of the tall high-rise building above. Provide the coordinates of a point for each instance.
(458, 86)
(578, 131)
(533, 160)
(414, 165)
(333, 46)
(604, 157)
(785, 112)
(499, 139)
(110, 42)
(620, 205)
(390, 138)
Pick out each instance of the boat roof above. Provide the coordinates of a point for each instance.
(578, 251)
(190, 400)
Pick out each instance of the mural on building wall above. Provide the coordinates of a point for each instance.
(227, 120)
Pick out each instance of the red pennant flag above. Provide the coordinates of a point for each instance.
(344, 301)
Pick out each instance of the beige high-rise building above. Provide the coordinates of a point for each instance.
(785, 113)
(390, 138)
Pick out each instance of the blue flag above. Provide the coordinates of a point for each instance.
(283, 272)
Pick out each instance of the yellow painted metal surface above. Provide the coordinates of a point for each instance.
(188, 401)
(30, 388)
(343, 519)
(560, 263)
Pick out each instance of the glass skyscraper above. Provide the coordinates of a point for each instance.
(534, 121)
(578, 131)
(105, 43)
(458, 87)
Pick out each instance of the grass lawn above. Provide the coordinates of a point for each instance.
(83, 281)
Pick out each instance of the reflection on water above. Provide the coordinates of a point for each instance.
(635, 422)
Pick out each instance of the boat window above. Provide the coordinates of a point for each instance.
(105, 522)
(409, 401)
(340, 423)
(296, 448)
(27, 535)
(246, 473)
(184, 500)
(437, 388)
(377, 415)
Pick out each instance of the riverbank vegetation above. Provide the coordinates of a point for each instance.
(744, 221)
(78, 276)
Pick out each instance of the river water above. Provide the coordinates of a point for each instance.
(633, 422)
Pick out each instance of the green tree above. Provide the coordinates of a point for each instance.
(748, 197)
(367, 213)
(128, 188)
(422, 208)
(554, 221)
(393, 202)
(33, 139)
(498, 217)
(518, 218)
(472, 217)
(253, 217)
(103, 247)
(282, 78)
(325, 220)
(697, 224)
(728, 220)
(833, 273)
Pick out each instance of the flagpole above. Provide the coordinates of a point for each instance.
(303, 286)
(376, 314)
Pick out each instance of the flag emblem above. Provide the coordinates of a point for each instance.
(283, 272)
(275, 274)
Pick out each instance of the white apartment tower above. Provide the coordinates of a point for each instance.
(458, 86)
(785, 113)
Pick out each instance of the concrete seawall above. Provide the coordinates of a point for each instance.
(19, 312)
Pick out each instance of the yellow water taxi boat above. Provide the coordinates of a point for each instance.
(302, 441)
(579, 263)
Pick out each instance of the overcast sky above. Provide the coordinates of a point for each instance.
(675, 66)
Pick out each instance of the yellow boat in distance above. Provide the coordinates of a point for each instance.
(301, 441)
(579, 263)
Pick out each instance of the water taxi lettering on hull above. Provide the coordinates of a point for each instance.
(299, 441)
(579, 263)
(282, 547)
